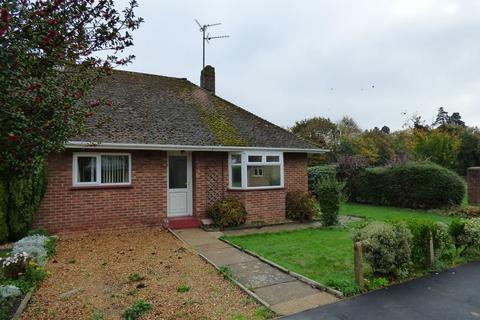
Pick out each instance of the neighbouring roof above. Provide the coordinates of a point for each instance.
(157, 110)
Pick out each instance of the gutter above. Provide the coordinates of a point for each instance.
(172, 147)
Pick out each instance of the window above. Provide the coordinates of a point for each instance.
(101, 169)
(256, 171)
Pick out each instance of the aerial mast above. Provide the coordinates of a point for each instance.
(207, 37)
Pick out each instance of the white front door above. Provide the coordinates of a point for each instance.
(179, 202)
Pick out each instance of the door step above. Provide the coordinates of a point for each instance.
(183, 223)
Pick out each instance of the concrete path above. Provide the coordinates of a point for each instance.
(283, 293)
(454, 294)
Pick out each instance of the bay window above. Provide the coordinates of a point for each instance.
(90, 169)
(255, 170)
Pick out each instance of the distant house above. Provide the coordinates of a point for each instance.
(168, 148)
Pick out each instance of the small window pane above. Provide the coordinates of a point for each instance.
(236, 176)
(86, 169)
(236, 158)
(270, 176)
(273, 158)
(254, 158)
(177, 172)
(115, 169)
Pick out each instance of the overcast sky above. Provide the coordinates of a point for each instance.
(289, 60)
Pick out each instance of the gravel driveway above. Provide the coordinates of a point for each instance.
(90, 280)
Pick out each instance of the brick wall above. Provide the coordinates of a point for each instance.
(65, 209)
(473, 183)
(211, 184)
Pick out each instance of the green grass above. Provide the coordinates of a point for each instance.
(319, 254)
(324, 255)
(385, 213)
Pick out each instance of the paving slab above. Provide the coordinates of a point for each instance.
(198, 237)
(285, 291)
(256, 274)
(303, 303)
(225, 256)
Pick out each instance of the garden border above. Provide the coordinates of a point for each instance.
(241, 286)
(298, 276)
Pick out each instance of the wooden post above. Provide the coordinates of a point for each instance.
(430, 252)
(358, 264)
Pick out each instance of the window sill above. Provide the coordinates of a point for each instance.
(256, 189)
(125, 186)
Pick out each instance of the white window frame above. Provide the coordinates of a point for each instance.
(98, 157)
(263, 163)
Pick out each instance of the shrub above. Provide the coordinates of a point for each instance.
(3, 215)
(138, 309)
(386, 246)
(228, 212)
(421, 231)
(470, 237)
(319, 173)
(413, 185)
(456, 230)
(329, 197)
(300, 206)
(24, 197)
(350, 166)
(40, 231)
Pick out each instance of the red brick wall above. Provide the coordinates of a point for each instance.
(65, 209)
(473, 183)
(211, 184)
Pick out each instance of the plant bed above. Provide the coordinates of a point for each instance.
(101, 276)
(22, 270)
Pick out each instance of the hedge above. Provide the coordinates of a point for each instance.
(3, 214)
(320, 173)
(23, 197)
(412, 185)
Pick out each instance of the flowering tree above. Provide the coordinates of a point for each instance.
(52, 53)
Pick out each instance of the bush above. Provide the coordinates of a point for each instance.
(24, 197)
(329, 197)
(228, 212)
(456, 230)
(386, 247)
(347, 287)
(470, 238)
(319, 173)
(300, 206)
(3, 215)
(421, 231)
(413, 185)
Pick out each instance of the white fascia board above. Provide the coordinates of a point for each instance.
(171, 147)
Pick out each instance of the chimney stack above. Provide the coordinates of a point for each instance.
(207, 78)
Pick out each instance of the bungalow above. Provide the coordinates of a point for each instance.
(165, 152)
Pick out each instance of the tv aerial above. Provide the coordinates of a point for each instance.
(207, 37)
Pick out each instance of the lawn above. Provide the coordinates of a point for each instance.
(324, 255)
(385, 213)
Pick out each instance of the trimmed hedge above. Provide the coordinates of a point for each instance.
(412, 185)
(3, 214)
(318, 174)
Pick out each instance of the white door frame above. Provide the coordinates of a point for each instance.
(189, 184)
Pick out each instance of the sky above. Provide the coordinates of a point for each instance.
(374, 60)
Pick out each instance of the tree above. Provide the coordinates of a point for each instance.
(442, 117)
(385, 130)
(469, 153)
(456, 119)
(376, 146)
(438, 146)
(347, 127)
(318, 130)
(52, 54)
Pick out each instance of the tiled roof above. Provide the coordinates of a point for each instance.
(151, 109)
